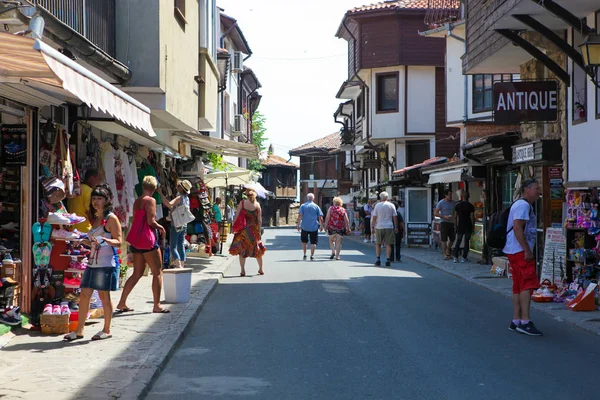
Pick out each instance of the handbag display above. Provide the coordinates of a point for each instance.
(240, 222)
(181, 216)
(54, 190)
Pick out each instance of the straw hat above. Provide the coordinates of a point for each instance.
(186, 185)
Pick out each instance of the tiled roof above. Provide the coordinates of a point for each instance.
(327, 143)
(276, 161)
(392, 5)
(431, 161)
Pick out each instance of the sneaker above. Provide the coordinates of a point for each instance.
(529, 329)
(11, 226)
(388, 263)
(304, 258)
(10, 316)
(47, 309)
(75, 219)
(463, 260)
(377, 263)
(64, 309)
(64, 234)
(366, 240)
(56, 310)
(7, 259)
(512, 327)
(58, 219)
(455, 260)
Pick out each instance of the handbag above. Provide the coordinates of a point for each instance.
(181, 216)
(54, 190)
(240, 222)
(141, 236)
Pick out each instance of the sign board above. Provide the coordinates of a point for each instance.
(555, 252)
(524, 153)
(417, 234)
(372, 163)
(13, 145)
(527, 101)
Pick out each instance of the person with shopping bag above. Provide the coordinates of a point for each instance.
(181, 216)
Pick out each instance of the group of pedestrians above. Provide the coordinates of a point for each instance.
(457, 225)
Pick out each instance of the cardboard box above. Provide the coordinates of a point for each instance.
(9, 271)
(54, 324)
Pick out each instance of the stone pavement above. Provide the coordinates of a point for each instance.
(480, 275)
(38, 366)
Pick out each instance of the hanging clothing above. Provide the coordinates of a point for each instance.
(108, 165)
(145, 170)
(128, 183)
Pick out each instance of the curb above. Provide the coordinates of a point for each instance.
(534, 305)
(155, 364)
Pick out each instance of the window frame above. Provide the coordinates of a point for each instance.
(360, 105)
(396, 75)
(474, 90)
(179, 10)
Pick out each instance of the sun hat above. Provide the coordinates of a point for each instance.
(186, 185)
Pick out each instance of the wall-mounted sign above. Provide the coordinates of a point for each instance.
(372, 163)
(523, 153)
(528, 101)
(13, 145)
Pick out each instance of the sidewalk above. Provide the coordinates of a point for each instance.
(480, 275)
(38, 366)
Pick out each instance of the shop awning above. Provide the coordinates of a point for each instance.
(221, 146)
(37, 67)
(454, 175)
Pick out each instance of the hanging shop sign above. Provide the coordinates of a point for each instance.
(13, 145)
(417, 234)
(540, 152)
(523, 153)
(528, 101)
(370, 164)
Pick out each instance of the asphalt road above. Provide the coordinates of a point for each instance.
(348, 330)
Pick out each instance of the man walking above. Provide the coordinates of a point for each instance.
(367, 210)
(520, 239)
(80, 205)
(445, 211)
(464, 219)
(310, 218)
(385, 222)
(399, 234)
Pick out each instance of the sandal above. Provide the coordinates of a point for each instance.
(124, 310)
(261, 272)
(72, 336)
(101, 336)
(162, 311)
(331, 257)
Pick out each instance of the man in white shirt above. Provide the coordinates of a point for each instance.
(520, 239)
(385, 222)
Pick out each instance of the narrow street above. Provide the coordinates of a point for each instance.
(348, 330)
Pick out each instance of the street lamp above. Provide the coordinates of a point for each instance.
(590, 50)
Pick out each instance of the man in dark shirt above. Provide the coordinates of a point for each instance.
(464, 220)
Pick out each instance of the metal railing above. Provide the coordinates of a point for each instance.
(440, 12)
(94, 19)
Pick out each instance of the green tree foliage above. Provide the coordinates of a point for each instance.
(259, 138)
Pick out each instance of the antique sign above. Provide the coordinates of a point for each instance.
(529, 101)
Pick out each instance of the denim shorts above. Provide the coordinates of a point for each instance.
(103, 278)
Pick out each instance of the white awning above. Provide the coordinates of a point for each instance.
(227, 178)
(38, 66)
(221, 146)
(454, 175)
(117, 128)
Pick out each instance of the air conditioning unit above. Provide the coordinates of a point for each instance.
(238, 62)
(238, 125)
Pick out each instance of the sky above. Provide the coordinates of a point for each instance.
(299, 62)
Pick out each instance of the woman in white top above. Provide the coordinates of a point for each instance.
(177, 233)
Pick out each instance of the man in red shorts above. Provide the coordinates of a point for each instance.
(522, 224)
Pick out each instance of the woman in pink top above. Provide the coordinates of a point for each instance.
(145, 208)
(337, 225)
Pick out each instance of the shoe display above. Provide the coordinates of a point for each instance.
(56, 310)
(72, 282)
(58, 219)
(10, 316)
(65, 234)
(11, 226)
(47, 309)
(75, 219)
(529, 329)
(7, 259)
(64, 309)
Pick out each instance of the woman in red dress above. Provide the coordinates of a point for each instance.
(337, 225)
(247, 242)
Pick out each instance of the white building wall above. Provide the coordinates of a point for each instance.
(583, 138)
(386, 125)
(455, 81)
(421, 100)
(400, 155)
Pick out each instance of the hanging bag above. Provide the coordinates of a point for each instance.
(240, 222)
(141, 236)
(76, 176)
(181, 215)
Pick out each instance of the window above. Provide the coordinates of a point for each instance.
(483, 90)
(360, 105)
(180, 12)
(417, 152)
(579, 85)
(387, 92)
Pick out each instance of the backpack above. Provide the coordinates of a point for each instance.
(361, 212)
(497, 228)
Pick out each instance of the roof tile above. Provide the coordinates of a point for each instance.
(389, 5)
(276, 161)
(327, 143)
(423, 164)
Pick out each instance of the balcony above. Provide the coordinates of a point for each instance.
(95, 20)
(441, 12)
(285, 191)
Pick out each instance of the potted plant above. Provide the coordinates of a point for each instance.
(123, 274)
